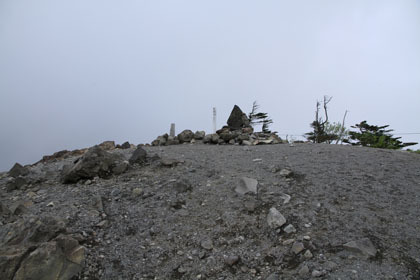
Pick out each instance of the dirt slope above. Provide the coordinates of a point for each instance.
(186, 221)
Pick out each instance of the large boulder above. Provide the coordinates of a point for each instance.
(237, 119)
(215, 138)
(107, 145)
(18, 170)
(62, 155)
(60, 259)
(161, 140)
(95, 162)
(4, 211)
(207, 139)
(172, 140)
(138, 156)
(227, 136)
(185, 136)
(199, 135)
(35, 249)
(126, 145)
(15, 183)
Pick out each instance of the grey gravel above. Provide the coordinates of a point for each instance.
(343, 193)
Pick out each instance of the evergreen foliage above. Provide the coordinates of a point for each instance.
(336, 131)
(375, 136)
(259, 118)
(319, 133)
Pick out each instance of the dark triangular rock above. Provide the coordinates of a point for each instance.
(237, 119)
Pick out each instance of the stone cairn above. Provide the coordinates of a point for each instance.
(238, 131)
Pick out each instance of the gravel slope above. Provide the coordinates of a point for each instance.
(187, 221)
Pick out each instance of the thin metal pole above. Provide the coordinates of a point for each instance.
(214, 119)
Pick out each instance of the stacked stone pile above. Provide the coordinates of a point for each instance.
(237, 131)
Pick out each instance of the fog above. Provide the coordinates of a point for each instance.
(76, 73)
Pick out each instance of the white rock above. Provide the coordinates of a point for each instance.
(285, 197)
(362, 246)
(304, 270)
(308, 255)
(286, 172)
(289, 229)
(247, 185)
(275, 219)
(297, 247)
(288, 241)
(316, 273)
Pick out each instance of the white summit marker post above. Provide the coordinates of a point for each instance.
(214, 119)
(172, 131)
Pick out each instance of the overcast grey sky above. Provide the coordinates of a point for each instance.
(76, 73)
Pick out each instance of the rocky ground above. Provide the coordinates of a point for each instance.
(196, 211)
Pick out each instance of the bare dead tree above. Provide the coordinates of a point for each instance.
(319, 135)
(342, 129)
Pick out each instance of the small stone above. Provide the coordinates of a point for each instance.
(363, 246)
(307, 225)
(51, 204)
(88, 182)
(257, 159)
(250, 206)
(115, 192)
(31, 194)
(97, 202)
(297, 247)
(306, 237)
(286, 173)
(289, 229)
(18, 208)
(330, 266)
(275, 219)
(317, 273)
(288, 241)
(285, 197)
(3, 209)
(304, 270)
(272, 276)
(207, 244)
(182, 269)
(247, 185)
(202, 254)
(102, 224)
(308, 255)
(137, 191)
(231, 260)
(169, 162)
(180, 253)
(246, 143)
(182, 186)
